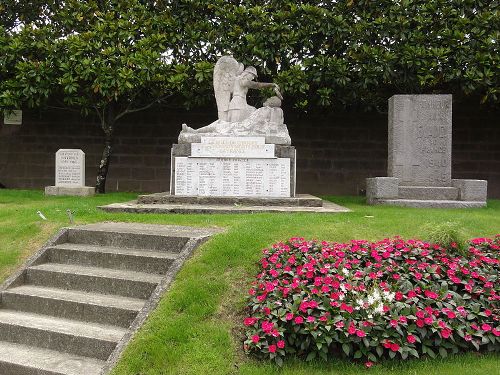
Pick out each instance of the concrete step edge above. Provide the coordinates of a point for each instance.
(63, 326)
(98, 272)
(88, 298)
(136, 252)
(20, 359)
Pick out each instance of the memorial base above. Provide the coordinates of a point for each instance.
(461, 194)
(163, 203)
(82, 191)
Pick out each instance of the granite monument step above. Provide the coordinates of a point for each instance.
(93, 279)
(73, 304)
(300, 200)
(68, 336)
(423, 203)
(140, 260)
(17, 359)
(428, 192)
(180, 208)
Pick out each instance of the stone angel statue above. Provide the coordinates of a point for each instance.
(235, 116)
(231, 84)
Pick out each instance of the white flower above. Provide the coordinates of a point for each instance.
(370, 316)
(379, 309)
(345, 271)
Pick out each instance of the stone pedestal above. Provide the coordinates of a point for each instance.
(419, 158)
(70, 174)
(232, 167)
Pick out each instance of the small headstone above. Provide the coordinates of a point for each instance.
(70, 168)
(70, 174)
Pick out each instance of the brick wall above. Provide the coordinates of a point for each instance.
(335, 153)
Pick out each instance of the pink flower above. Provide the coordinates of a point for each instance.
(403, 320)
(445, 333)
(339, 324)
(451, 315)
(394, 347)
(266, 310)
(289, 316)
(267, 327)
(255, 339)
(249, 321)
(430, 294)
(411, 339)
(496, 332)
(486, 327)
(352, 329)
(311, 319)
(369, 364)
(360, 333)
(299, 320)
(272, 348)
(393, 323)
(281, 344)
(468, 337)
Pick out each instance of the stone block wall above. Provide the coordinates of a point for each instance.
(335, 153)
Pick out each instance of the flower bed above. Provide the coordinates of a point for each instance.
(369, 301)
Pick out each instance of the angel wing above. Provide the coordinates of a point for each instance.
(226, 69)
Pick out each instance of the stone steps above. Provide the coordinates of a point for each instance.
(138, 260)
(425, 203)
(72, 304)
(76, 303)
(68, 336)
(93, 279)
(16, 359)
(428, 193)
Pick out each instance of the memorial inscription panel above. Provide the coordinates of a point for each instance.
(240, 147)
(70, 168)
(420, 139)
(242, 177)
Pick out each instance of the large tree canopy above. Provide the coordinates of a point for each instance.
(111, 58)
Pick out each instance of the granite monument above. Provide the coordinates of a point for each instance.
(419, 158)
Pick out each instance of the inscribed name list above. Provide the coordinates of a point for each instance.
(239, 177)
(70, 168)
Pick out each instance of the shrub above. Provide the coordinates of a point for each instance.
(370, 301)
(449, 235)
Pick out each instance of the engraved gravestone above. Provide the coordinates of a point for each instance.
(420, 139)
(70, 174)
(419, 160)
(70, 168)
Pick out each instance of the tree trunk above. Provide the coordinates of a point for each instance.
(107, 123)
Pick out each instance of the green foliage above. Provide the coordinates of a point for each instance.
(448, 234)
(323, 53)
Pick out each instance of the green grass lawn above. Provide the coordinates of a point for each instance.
(196, 327)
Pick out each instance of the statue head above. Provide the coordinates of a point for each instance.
(251, 70)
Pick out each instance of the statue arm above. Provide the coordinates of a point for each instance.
(263, 85)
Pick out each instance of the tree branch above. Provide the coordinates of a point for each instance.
(138, 109)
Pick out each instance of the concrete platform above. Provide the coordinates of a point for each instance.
(300, 200)
(82, 191)
(180, 208)
(425, 203)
